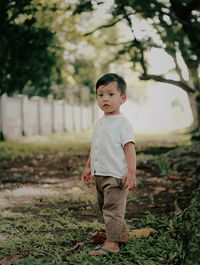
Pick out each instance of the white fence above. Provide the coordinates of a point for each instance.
(22, 116)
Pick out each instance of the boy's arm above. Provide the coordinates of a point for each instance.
(86, 176)
(129, 179)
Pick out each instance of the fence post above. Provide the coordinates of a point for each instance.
(3, 114)
(53, 116)
(24, 108)
(50, 100)
(40, 102)
(73, 117)
(64, 117)
(81, 116)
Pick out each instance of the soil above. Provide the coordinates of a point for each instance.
(165, 181)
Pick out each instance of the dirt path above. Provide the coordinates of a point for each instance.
(164, 184)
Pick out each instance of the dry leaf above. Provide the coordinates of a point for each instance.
(160, 188)
(154, 179)
(10, 258)
(153, 205)
(143, 232)
(174, 177)
(99, 237)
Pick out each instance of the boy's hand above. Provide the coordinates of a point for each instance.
(86, 176)
(129, 181)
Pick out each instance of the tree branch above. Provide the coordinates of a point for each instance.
(162, 79)
(119, 43)
(104, 26)
(178, 69)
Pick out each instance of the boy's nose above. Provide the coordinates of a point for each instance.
(105, 97)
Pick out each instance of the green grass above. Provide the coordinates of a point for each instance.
(43, 234)
(163, 166)
(191, 226)
(75, 142)
(72, 142)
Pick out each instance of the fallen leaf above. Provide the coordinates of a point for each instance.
(154, 179)
(10, 258)
(99, 237)
(160, 188)
(143, 232)
(75, 189)
(174, 177)
(153, 205)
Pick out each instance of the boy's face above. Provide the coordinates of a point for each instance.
(109, 98)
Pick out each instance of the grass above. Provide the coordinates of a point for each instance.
(32, 146)
(163, 166)
(45, 231)
(75, 142)
(42, 232)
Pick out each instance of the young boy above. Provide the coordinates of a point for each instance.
(112, 161)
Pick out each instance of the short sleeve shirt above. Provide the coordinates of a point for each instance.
(110, 135)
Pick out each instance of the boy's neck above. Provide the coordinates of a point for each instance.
(112, 115)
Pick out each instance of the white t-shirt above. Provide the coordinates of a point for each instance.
(110, 135)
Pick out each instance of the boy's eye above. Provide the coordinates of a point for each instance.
(100, 95)
(111, 94)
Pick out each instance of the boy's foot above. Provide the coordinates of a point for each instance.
(100, 237)
(125, 238)
(107, 248)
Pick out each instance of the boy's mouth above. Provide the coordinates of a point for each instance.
(106, 105)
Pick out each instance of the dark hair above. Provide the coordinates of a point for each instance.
(111, 77)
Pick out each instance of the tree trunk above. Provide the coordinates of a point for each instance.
(195, 107)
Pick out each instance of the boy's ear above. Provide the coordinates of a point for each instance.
(123, 98)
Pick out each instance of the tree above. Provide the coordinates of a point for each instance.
(40, 50)
(175, 23)
(28, 59)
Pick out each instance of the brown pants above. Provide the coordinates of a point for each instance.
(112, 199)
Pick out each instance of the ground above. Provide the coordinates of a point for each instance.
(46, 182)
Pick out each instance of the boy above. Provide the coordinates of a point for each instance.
(112, 161)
